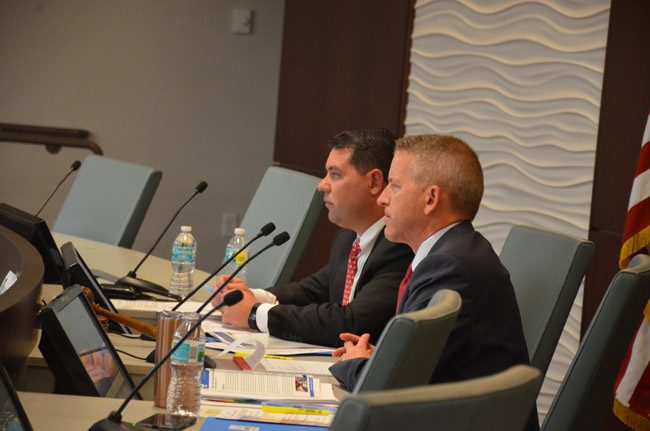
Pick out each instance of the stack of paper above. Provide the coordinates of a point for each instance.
(263, 386)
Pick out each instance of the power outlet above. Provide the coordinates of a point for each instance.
(229, 221)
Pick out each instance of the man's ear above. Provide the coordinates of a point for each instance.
(377, 181)
(433, 197)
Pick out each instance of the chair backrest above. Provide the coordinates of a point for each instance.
(501, 402)
(586, 391)
(290, 200)
(546, 270)
(108, 201)
(410, 345)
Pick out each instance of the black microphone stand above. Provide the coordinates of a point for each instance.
(131, 279)
(264, 231)
(75, 165)
(114, 419)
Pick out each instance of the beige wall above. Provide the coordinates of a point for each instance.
(162, 83)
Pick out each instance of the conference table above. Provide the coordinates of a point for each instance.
(52, 411)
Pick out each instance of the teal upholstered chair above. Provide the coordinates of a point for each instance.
(586, 392)
(290, 200)
(499, 402)
(546, 270)
(108, 201)
(410, 345)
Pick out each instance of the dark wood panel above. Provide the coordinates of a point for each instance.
(625, 104)
(344, 66)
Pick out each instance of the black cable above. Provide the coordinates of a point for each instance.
(128, 354)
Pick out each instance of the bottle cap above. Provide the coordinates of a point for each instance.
(240, 231)
(186, 228)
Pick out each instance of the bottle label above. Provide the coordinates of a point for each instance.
(241, 257)
(183, 254)
(190, 351)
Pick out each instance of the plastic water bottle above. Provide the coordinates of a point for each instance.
(183, 261)
(184, 393)
(234, 245)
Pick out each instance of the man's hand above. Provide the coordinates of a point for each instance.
(237, 315)
(235, 284)
(354, 347)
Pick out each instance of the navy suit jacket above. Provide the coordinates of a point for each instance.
(310, 310)
(487, 336)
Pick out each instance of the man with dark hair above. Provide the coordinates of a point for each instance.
(357, 290)
(434, 192)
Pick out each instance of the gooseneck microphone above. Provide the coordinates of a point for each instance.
(75, 165)
(279, 239)
(114, 419)
(264, 231)
(131, 278)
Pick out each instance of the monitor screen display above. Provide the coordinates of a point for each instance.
(79, 273)
(12, 415)
(35, 230)
(78, 351)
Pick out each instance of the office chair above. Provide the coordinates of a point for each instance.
(546, 270)
(586, 392)
(108, 201)
(290, 200)
(410, 345)
(501, 402)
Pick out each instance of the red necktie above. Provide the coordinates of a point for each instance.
(402, 287)
(352, 270)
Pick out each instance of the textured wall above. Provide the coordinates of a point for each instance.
(521, 82)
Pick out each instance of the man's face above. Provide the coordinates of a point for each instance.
(403, 201)
(346, 191)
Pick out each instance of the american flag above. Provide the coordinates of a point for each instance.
(632, 386)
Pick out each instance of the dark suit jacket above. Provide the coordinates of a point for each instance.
(310, 310)
(487, 337)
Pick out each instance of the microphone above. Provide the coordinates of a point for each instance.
(131, 278)
(279, 239)
(114, 420)
(75, 165)
(264, 231)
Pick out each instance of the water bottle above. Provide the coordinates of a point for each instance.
(183, 261)
(184, 393)
(234, 245)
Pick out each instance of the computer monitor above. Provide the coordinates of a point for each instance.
(79, 273)
(35, 230)
(12, 414)
(78, 351)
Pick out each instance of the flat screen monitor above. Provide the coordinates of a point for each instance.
(35, 230)
(12, 414)
(79, 273)
(78, 351)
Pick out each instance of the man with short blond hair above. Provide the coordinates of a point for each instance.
(434, 191)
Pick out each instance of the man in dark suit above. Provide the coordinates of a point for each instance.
(435, 188)
(357, 290)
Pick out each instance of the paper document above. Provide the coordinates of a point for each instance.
(253, 385)
(294, 367)
(298, 415)
(226, 334)
(153, 307)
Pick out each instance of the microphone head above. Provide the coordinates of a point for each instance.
(200, 187)
(267, 229)
(75, 165)
(232, 298)
(281, 238)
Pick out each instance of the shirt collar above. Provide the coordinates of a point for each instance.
(369, 236)
(428, 244)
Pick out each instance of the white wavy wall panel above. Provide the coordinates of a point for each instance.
(521, 82)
